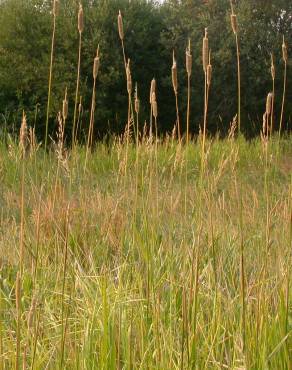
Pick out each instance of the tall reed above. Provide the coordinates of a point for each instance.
(205, 59)
(152, 90)
(175, 89)
(80, 25)
(96, 65)
(189, 72)
(234, 26)
(285, 59)
(122, 36)
(273, 75)
(55, 13)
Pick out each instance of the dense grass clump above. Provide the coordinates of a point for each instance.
(164, 265)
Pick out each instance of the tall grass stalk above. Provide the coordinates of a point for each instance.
(189, 72)
(273, 75)
(207, 71)
(234, 26)
(285, 59)
(55, 12)
(175, 89)
(96, 65)
(80, 31)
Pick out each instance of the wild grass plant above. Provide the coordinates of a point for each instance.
(110, 283)
(145, 252)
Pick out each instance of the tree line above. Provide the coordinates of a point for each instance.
(152, 32)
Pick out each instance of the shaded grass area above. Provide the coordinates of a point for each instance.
(138, 264)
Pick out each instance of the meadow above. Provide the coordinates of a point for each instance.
(142, 250)
(153, 265)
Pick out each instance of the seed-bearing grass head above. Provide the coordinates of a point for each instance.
(205, 51)
(96, 64)
(65, 106)
(269, 102)
(80, 19)
(233, 20)
(23, 135)
(137, 101)
(284, 51)
(152, 89)
(129, 78)
(120, 25)
(174, 74)
(209, 71)
(273, 71)
(189, 59)
(56, 5)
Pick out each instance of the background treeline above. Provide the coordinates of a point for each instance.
(152, 32)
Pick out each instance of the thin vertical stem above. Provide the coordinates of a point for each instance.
(238, 83)
(283, 99)
(77, 89)
(50, 80)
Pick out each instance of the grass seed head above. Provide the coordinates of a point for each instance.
(233, 19)
(65, 106)
(209, 74)
(152, 89)
(284, 51)
(56, 5)
(23, 136)
(80, 19)
(189, 59)
(129, 78)
(269, 103)
(174, 74)
(205, 52)
(273, 71)
(137, 101)
(209, 71)
(120, 26)
(96, 64)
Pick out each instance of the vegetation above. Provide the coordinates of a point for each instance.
(152, 32)
(142, 250)
(125, 271)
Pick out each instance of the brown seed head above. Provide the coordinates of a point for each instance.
(205, 53)
(269, 103)
(273, 71)
(284, 51)
(129, 78)
(209, 71)
(137, 101)
(120, 26)
(96, 64)
(80, 19)
(189, 59)
(65, 106)
(174, 74)
(23, 137)
(56, 8)
(234, 25)
(80, 105)
(153, 97)
(152, 89)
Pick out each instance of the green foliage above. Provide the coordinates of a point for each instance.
(152, 31)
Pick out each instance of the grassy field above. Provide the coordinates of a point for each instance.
(147, 257)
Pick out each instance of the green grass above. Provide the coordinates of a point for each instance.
(114, 271)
